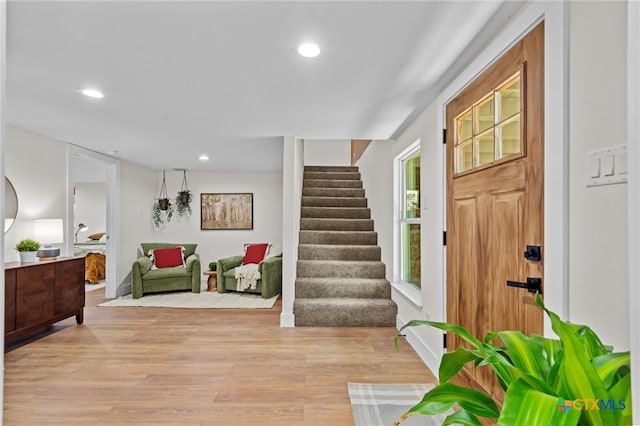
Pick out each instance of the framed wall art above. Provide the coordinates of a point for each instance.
(226, 211)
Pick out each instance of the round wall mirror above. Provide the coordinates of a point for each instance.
(10, 205)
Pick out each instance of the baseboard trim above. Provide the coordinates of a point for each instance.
(431, 360)
(287, 320)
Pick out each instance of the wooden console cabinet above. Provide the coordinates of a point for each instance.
(42, 293)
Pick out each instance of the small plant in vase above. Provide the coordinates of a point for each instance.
(27, 249)
(213, 266)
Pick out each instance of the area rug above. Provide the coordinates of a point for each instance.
(91, 287)
(187, 299)
(382, 404)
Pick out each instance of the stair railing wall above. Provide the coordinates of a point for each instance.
(292, 174)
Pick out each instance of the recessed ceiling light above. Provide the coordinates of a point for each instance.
(203, 157)
(309, 50)
(92, 93)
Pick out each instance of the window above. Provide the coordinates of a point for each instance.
(491, 129)
(410, 217)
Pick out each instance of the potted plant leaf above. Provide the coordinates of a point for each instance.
(184, 198)
(162, 208)
(213, 266)
(573, 380)
(27, 249)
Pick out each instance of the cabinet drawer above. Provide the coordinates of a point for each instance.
(34, 294)
(69, 288)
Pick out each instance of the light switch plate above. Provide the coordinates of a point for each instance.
(611, 165)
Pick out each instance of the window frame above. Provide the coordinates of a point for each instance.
(411, 152)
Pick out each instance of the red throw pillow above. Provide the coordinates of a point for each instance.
(168, 257)
(255, 253)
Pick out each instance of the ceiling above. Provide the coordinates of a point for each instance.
(182, 79)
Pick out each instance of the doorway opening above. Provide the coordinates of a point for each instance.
(92, 199)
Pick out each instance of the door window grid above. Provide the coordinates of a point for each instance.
(490, 129)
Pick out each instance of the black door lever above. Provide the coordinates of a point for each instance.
(533, 285)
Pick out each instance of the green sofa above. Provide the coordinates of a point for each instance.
(146, 280)
(269, 284)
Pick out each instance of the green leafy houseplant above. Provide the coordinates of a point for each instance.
(162, 211)
(183, 203)
(28, 245)
(573, 380)
(213, 266)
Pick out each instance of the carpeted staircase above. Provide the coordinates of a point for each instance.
(340, 279)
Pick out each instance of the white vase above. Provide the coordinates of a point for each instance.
(27, 256)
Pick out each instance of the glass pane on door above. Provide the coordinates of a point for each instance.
(509, 138)
(508, 98)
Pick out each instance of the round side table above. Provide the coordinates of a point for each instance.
(212, 281)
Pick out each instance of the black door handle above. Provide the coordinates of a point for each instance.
(533, 285)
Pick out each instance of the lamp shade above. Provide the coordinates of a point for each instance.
(48, 231)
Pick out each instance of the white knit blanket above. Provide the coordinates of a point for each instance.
(247, 276)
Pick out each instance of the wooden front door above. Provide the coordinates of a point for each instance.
(495, 142)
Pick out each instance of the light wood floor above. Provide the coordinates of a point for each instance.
(197, 367)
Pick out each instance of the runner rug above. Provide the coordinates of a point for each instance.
(382, 404)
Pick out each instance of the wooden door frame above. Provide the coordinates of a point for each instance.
(556, 155)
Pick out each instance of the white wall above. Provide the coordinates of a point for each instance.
(90, 208)
(138, 188)
(598, 216)
(633, 138)
(327, 152)
(36, 165)
(377, 170)
(217, 244)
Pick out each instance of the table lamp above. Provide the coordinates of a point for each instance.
(81, 228)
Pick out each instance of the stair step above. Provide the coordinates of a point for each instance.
(330, 168)
(364, 288)
(340, 269)
(324, 183)
(333, 202)
(336, 224)
(336, 212)
(345, 312)
(332, 175)
(333, 192)
(338, 252)
(338, 237)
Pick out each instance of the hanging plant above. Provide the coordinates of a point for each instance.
(184, 198)
(162, 208)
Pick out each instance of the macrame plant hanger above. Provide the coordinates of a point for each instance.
(184, 188)
(163, 199)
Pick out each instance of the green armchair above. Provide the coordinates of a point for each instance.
(269, 284)
(146, 280)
